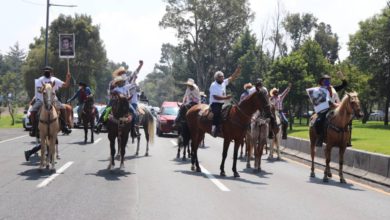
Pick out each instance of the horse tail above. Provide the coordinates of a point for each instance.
(150, 126)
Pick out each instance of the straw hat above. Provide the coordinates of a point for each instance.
(118, 71)
(248, 86)
(271, 93)
(190, 82)
(118, 79)
(202, 94)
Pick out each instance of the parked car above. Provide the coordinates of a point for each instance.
(377, 115)
(26, 120)
(166, 118)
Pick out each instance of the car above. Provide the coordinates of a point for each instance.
(26, 120)
(376, 115)
(166, 118)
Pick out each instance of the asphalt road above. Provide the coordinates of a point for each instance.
(162, 187)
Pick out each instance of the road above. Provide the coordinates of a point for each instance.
(162, 187)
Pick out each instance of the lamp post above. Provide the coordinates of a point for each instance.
(47, 24)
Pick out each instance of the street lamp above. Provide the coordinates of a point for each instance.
(47, 23)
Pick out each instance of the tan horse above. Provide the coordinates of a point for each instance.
(48, 126)
(258, 139)
(337, 133)
(234, 128)
(276, 138)
(69, 115)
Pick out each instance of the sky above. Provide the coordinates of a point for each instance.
(130, 31)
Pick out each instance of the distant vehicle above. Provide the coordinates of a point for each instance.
(166, 117)
(376, 115)
(100, 109)
(26, 120)
(308, 114)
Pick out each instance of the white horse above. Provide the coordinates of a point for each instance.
(276, 139)
(48, 126)
(258, 139)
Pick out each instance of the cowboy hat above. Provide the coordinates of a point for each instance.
(248, 85)
(271, 93)
(118, 79)
(190, 82)
(202, 94)
(47, 68)
(118, 71)
(82, 84)
(324, 76)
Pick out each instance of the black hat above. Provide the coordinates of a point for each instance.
(82, 84)
(47, 68)
(324, 76)
(259, 82)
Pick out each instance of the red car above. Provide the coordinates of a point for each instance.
(166, 118)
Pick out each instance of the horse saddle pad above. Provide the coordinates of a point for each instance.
(206, 114)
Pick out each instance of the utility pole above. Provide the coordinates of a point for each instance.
(47, 24)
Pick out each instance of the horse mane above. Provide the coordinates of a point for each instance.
(345, 101)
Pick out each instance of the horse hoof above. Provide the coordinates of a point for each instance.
(236, 175)
(248, 166)
(136, 154)
(198, 170)
(342, 180)
(146, 154)
(312, 175)
(192, 168)
(222, 173)
(278, 158)
(47, 167)
(330, 175)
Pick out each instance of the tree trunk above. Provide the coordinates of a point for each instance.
(366, 114)
(11, 112)
(387, 109)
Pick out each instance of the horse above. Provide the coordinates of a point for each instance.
(146, 120)
(88, 115)
(183, 139)
(48, 126)
(337, 132)
(118, 126)
(258, 139)
(234, 128)
(276, 137)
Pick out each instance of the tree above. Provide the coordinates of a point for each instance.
(370, 51)
(328, 42)
(299, 27)
(206, 29)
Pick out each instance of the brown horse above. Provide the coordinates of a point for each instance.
(337, 132)
(69, 115)
(88, 115)
(234, 128)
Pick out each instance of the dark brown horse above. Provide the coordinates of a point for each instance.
(337, 133)
(118, 126)
(234, 128)
(88, 115)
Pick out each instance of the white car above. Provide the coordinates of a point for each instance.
(100, 109)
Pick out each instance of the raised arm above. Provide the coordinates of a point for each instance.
(133, 76)
(235, 75)
(67, 80)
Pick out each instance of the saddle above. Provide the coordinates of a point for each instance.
(206, 114)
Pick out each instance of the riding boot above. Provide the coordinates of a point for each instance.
(33, 130)
(320, 140)
(270, 134)
(28, 153)
(284, 131)
(64, 127)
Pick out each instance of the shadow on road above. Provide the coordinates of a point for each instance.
(111, 175)
(262, 173)
(334, 183)
(35, 174)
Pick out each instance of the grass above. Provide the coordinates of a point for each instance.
(372, 136)
(6, 120)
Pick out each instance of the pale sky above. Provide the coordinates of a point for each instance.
(130, 28)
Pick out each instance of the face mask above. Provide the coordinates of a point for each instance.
(46, 74)
(326, 82)
(248, 90)
(80, 87)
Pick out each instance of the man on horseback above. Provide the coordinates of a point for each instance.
(82, 95)
(191, 98)
(277, 101)
(247, 89)
(333, 101)
(218, 96)
(48, 78)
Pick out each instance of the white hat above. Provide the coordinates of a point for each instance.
(118, 71)
(119, 79)
(190, 82)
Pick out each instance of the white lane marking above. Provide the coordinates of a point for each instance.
(97, 141)
(13, 139)
(53, 176)
(214, 180)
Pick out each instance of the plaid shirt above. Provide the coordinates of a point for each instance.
(278, 100)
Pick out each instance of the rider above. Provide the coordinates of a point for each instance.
(82, 95)
(48, 78)
(218, 97)
(203, 98)
(334, 100)
(247, 87)
(191, 98)
(277, 101)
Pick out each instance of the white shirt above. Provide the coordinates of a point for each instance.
(192, 95)
(43, 80)
(219, 90)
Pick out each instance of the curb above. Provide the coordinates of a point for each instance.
(368, 166)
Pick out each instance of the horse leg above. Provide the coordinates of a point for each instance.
(57, 153)
(327, 160)
(249, 146)
(278, 138)
(52, 152)
(271, 149)
(124, 139)
(312, 154)
(85, 132)
(146, 137)
(92, 126)
(43, 154)
(226, 143)
(341, 162)
(241, 153)
(236, 146)
(112, 153)
(193, 155)
(178, 147)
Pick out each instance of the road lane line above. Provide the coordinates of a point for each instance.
(13, 139)
(97, 141)
(348, 180)
(214, 179)
(53, 176)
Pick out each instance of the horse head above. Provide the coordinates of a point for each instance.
(120, 107)
(48, 95)
(262, 103)
(354, 104)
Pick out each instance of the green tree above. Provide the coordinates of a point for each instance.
(328, 42)
(299, 27)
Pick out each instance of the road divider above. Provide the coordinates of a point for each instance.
(53, 176)
(4, 141)
(97, 141)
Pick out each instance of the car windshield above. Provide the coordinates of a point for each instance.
(170, 111)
